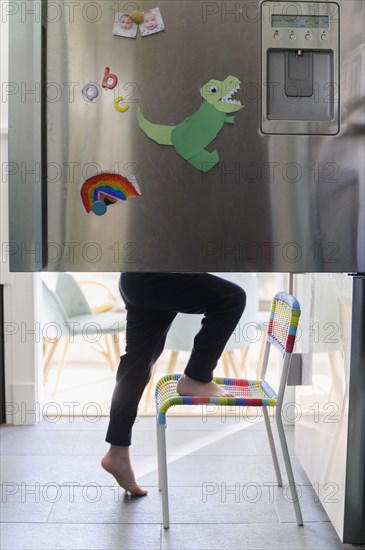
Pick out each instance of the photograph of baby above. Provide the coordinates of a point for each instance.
(124, 26)
(152, 22)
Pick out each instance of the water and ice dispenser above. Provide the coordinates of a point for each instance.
(300, 68)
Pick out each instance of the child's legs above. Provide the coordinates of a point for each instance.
(222, 303)
(146, 334)
(225, 303)
(153, 301)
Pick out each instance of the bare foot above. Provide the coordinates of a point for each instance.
(189, 386)
(117, 462)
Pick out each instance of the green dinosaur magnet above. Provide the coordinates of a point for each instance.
(195, 133)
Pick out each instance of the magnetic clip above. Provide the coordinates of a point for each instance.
(137, 17)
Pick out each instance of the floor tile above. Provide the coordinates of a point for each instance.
(35, 536)
(256, 536)
(92, 443)
(191, 470)
(312, 509)
(262, 443)
(194, 470)
(219, 504)
(222, 489)
(26, 440)
(199, 442)
(97, 504)
(221, 419)
(96, 422)
(25, 503)
(239, 442)
(87, 423)
(68, 469)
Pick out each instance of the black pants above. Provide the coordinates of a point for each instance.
(152, 302)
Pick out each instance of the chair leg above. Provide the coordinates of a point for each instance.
(261, 356)
(115, 343)
(158, 457)
(163, 474)
(61, 363)
(288, 467)
(226, 365)
(233, 361)
(243, 367)
(49, 352)
(150, 388)
(172, 362)
(108, 353)
(272, 446)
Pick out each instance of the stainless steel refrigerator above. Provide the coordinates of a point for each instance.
(229, 136)
(287, 190)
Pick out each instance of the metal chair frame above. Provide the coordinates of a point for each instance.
(284, 318)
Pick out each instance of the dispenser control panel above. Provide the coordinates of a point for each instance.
(300, 21)
(300, 67)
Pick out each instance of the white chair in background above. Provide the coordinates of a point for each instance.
(67, 314)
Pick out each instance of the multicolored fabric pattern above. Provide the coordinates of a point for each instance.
(248, 393)
(284, 319)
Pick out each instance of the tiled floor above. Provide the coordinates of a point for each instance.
(222, 491)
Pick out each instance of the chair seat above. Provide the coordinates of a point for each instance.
(246, 393)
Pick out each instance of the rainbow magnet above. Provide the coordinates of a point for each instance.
(106, 188)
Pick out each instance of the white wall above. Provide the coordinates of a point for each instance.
(3, 147)
(22, 350)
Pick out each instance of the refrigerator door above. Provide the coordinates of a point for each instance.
(271, 201)
(330, 427)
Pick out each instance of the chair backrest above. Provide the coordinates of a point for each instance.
(282, 330)
(71, 296)
(283, 324)
(54, 317)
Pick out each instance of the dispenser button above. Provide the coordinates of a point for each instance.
(308, 36)
(324, 36)
(292, 36)
(277, 35)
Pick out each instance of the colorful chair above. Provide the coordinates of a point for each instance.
(283, 322)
